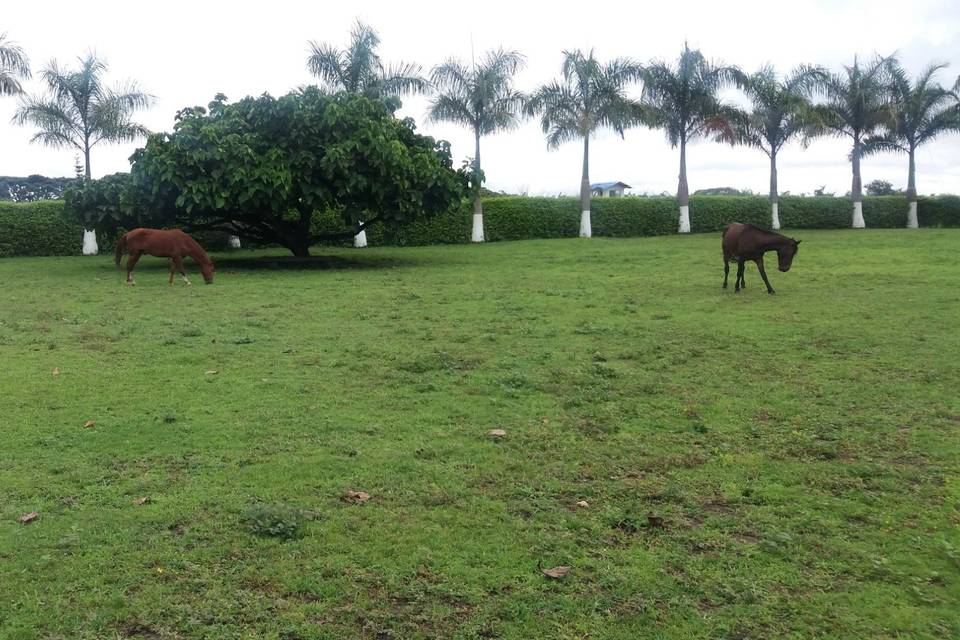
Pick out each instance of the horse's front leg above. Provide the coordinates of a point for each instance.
(763, 274)
(183, 273)
(131, 263)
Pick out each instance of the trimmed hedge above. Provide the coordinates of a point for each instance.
(41, 228)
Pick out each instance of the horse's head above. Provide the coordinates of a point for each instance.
(786, 252)
(206, 268)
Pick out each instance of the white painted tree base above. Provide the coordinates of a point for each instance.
(775, 220)
(685, 219)
(477, 234)
(858, 222)
(90, 247)
(912, 221)
(360, 240)
(586, 231)
(233, 242)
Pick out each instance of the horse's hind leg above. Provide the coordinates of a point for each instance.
(131, 263)
(739, 282)
(173, 266)
(726, 270)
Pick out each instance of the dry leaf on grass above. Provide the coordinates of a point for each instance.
(88, 424)
(583, 504)
(143, 500)
(56, 371)
(211, 372)
(27, 518)
(654, 520)
(556, 572)
(356, 497)
(497, 433)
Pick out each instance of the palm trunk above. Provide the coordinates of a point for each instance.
(683, 193)
(856, 190)
(90, 247)
(586, 230)
(774, 196)
(86, 159)
(360, 240)
(912, 221)
(477, 233)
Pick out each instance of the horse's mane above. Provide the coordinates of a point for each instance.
(767, 231)
(199, 253)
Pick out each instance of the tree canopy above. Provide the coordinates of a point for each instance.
(264, 168)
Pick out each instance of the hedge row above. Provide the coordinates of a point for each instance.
(41, 228)
(517, 218)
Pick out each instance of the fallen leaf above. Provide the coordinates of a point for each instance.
(88, 424)
(211, 372)
(56, 371)
(497, 433)
(356, 497)
(556, 572)
(27, 518)
(583, 504)
(654, 520)
(143, 500)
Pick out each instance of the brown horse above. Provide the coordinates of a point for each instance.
(743, 242)
(163, 243)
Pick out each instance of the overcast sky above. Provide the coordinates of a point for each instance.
(185, 52)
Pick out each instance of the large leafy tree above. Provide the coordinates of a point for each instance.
(590, 95)
(481, 97)
(14, 67)
(683, 100)
(856, 107)
(781, 111)
(80, 111)
(359, 69)
(922, 111)
(269, 169)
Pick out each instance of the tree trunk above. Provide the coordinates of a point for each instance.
(86, 158)
(856, 190)
(585, 228)
(360, 240)
(299, 247)
(683, 193)
(912, 221)
(90, 247)
(774, 195)
(477, 233)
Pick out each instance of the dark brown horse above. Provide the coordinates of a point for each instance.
(163, 243)
(742, 242)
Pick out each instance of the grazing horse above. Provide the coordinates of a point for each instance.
(743, 242)
(163, 243)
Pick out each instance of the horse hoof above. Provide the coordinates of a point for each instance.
(771, 292)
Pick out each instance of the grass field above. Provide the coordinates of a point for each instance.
(755, 466)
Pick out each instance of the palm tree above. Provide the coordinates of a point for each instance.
(81, 112)
(682, 100)
(14, 66)
(481, 97)
(781, 111)
(856, 107)
(922, 110)
(590, 96)
(358, 68)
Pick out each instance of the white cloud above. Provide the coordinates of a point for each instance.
(185, 52)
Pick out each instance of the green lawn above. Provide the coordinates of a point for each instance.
(755, 466)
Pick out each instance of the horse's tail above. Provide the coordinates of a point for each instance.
(120, 250)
